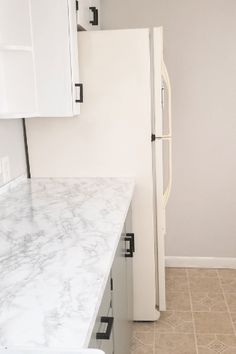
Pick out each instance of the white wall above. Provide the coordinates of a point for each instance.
(200, 52)
(12, 145)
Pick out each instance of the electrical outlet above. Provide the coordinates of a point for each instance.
(6, 175)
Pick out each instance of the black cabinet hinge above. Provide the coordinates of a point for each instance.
(77, 5)
(153, 137)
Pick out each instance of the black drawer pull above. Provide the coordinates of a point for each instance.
(130, 251)
(94, 21)
(131, 235)
(106, 335)
(81, 93)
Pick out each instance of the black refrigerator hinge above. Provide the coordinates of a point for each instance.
(77, 5)
(153, 137)
(111, 284)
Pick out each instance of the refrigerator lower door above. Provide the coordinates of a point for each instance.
(160, 227)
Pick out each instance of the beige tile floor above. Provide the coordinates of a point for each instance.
(200, 316)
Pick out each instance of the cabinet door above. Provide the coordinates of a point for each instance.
(129, 275)
(104, 310)
(17, 84)
(95, 15)
(83, 14)
(74, 56)
(88, 15)
(15, 26)
(119, 299)
(54, 31)
(107, 345)
(121, 309)
(17, 71)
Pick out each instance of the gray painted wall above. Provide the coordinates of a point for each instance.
(200, 53)
(12, 145)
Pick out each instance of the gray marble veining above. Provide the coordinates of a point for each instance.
(58, 239)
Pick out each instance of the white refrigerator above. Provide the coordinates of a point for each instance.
(119, 133)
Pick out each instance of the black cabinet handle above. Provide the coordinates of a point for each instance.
(94, 21)
(130, 251)
(81, 93)
(106, 335)
(131, 235)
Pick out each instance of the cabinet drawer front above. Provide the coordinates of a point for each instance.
(107, 345)
(104, 310)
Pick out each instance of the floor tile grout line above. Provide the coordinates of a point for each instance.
(144, 332)
(190, 293)
(226, 302)
(154, 334)
(191, 306)
(199, 311)
(140, 342)
(197, 333)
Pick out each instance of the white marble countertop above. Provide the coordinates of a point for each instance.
(58, 239)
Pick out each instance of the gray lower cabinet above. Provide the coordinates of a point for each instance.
(100, 327)
(112, 332)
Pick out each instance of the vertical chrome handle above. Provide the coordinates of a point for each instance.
(166, 79)
(131, 235)
(168, 188)
(94, 21)
(169, 135)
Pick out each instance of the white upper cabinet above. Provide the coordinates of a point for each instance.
(17, 71)
(54, 25)
(88, 15)
(39, 68)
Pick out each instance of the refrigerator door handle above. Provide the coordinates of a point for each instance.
(168, 136)
(168, 188)
(166, 79)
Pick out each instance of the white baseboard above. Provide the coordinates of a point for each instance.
(200, 262)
